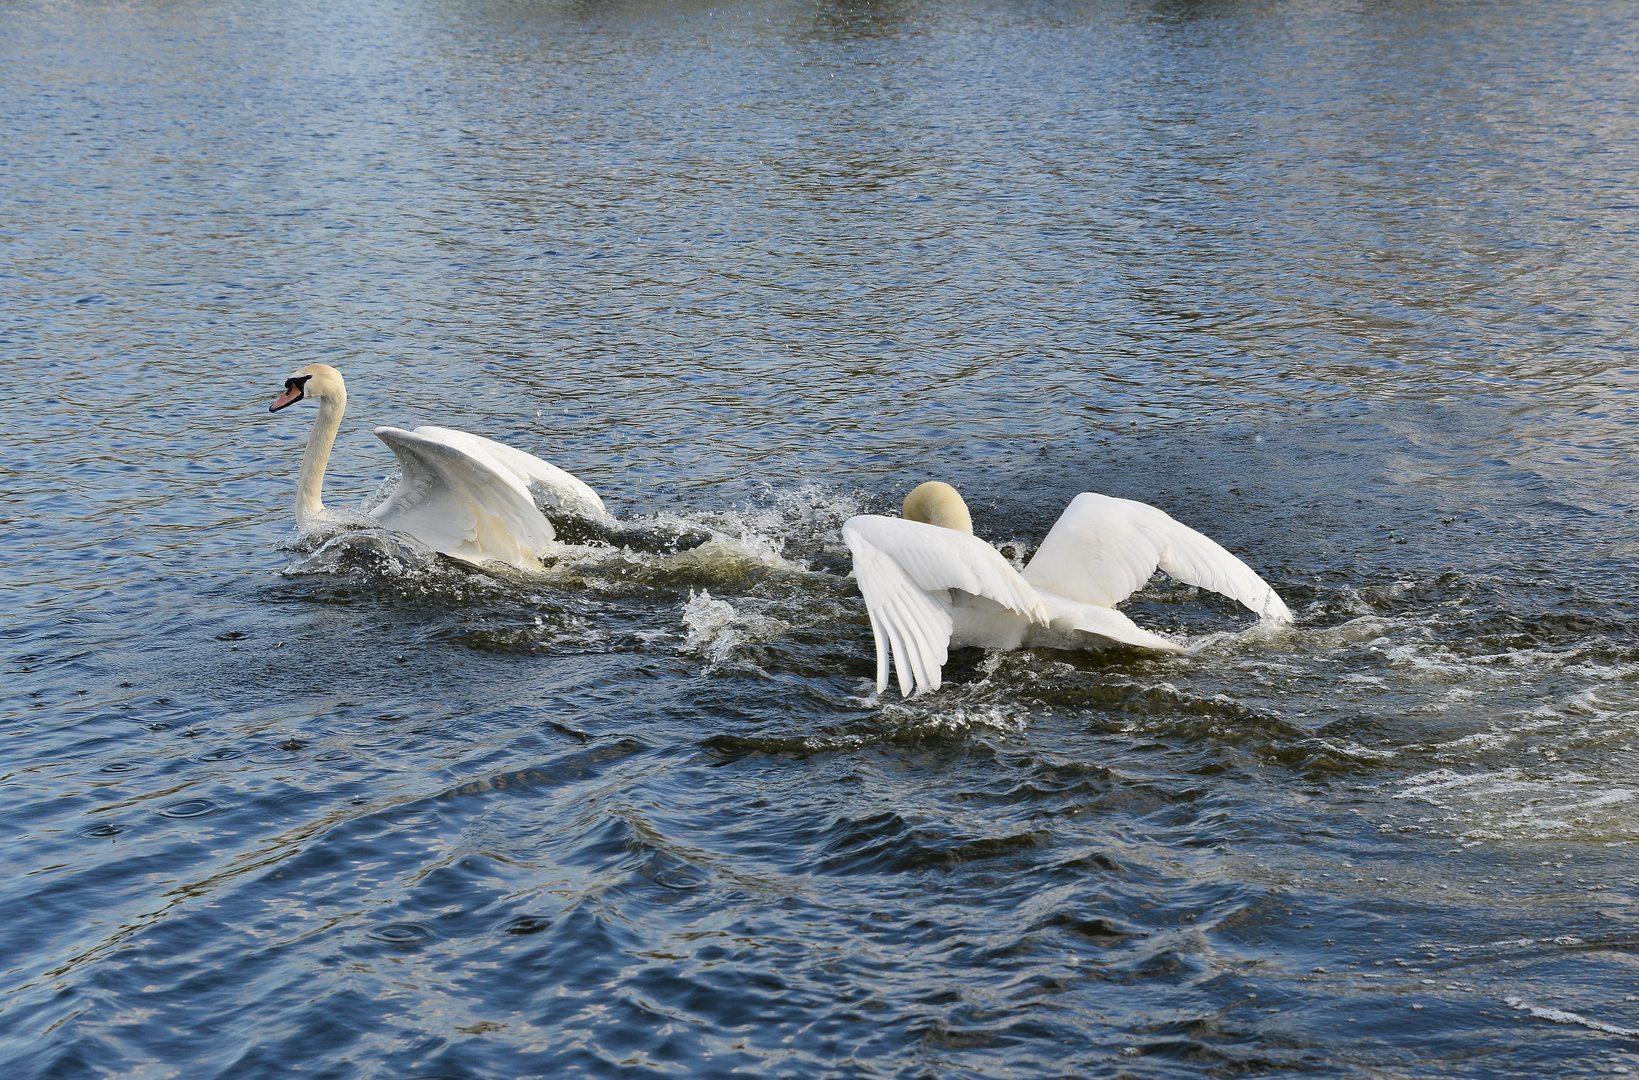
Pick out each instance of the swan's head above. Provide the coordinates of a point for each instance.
(319, 381)
(938, 504)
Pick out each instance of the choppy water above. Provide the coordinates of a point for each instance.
(1349, 286)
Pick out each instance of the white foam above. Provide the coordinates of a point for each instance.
(1561, 1016)
(1514, 803)
(1426, 784)
(342, 547)
(921, 714)
(1221, 642)
(1358, 752)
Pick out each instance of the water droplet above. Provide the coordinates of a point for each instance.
(102, 830)
(527, 924)
(119, 766)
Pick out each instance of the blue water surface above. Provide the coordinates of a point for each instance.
(1347, 285)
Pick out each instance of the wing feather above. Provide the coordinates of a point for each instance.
(936, 558)
(881, 653)
(906, 570)
(459, 500)
(1102, 550)
(1070, 615)
(912, 623)
(554, 487)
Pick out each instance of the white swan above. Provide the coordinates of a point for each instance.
(462, 495)
(928, 581)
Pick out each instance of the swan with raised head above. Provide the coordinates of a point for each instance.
(928, 582)
(462, 495)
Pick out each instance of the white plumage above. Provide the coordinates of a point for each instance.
(462, 495)
(928, 582)
(908, 572)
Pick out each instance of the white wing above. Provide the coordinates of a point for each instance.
(558, 489)
(1102, 550)
(458, 499)
(905, 570)
(1068, 615)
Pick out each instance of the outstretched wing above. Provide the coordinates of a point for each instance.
(1102, 550)
(1067, 615)
(905, 570)
(459, 500)
(557, 489)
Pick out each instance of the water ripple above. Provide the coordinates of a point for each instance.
(1347, 287)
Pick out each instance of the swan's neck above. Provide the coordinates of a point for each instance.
(310, 485)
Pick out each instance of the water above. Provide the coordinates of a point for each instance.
(1347, 286)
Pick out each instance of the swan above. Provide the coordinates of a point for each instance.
(928, 581)
(462, 495)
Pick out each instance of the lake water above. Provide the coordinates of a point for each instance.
(1349, 286)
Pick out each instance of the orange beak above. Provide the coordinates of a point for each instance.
(292, 394)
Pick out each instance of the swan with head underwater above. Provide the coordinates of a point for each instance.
(462, 495)
(929, 582)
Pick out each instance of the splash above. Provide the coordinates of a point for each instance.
(717, 630)
(374, 551)
(711, 630)
(913, 717)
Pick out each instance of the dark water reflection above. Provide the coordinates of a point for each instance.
(1348, 286)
